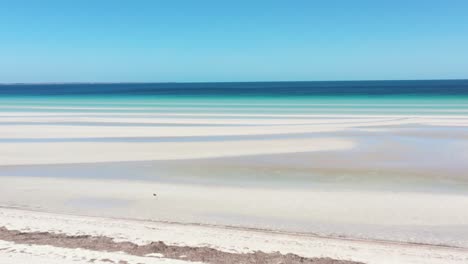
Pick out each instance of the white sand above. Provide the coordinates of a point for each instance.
(400, 216)
(63, 131)
(429, 217)
(78, 152)
(225, 239)
(213, 118)
(210, 114)
(280, 124)
(187, 121)
(27, 254)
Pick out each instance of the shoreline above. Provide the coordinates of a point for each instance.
(232, 240)
(231, 206)
(156, 249)
(222, 227)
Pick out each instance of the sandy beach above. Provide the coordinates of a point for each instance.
(50, 238)
(232, 187)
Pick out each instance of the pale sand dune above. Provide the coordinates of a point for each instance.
(235, 240)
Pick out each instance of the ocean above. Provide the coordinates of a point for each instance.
(334, 97)
(275, 89)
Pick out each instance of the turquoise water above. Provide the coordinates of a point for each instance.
(354, 97)
(377, 105)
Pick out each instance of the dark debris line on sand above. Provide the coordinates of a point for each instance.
(203, 254)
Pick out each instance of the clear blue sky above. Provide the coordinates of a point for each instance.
(197, 40)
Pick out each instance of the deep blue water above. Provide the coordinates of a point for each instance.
(316, 88)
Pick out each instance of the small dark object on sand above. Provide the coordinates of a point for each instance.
(154, 195)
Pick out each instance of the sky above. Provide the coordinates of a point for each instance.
(216, 41)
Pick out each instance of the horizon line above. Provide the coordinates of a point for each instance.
(187, 82)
